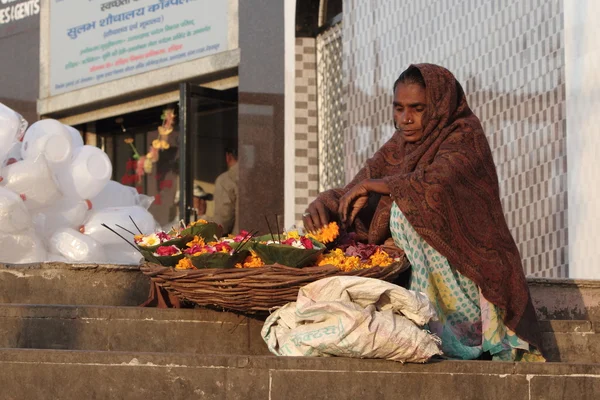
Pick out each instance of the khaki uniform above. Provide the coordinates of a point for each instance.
(226, 201)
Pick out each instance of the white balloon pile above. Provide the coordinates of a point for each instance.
(55, 195)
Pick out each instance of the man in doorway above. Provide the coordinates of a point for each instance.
(226, 194)
(199, 202)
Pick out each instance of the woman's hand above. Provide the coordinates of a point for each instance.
(316, 216)
(352, 202)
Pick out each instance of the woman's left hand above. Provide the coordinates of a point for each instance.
(352, 202)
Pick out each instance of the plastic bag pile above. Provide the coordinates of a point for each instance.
(351, 316)
(55, 194)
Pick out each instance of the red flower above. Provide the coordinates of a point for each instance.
(307, 243)
(223, 246)
(288, 242)
(167, 251)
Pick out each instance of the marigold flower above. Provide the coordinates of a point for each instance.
(338, 259)
(380, 259)
(185, 263)
(252, 261)
(326, 234)
(197, 241)
(128, 140)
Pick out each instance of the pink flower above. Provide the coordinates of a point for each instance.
(163, 236)
(194, 249)
(243, 234)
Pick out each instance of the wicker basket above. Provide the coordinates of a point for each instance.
(252, 289)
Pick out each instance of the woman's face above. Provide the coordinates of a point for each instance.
(409, 106)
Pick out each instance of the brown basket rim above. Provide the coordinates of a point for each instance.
(252, 290)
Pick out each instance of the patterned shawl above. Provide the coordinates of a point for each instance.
(447, 187)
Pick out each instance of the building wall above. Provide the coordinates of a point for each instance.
(306, 165)
(509, 56)
(19, 62)
(582, 58)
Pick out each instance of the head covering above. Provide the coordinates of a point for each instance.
(199, 192)
(447, 187)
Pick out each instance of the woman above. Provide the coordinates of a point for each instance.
(439, 199)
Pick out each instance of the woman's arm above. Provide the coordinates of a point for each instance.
(377, 186)
(357, 198)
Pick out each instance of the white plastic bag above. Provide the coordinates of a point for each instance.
(122, 254)
(76, 138)
(65, 213)
(49, 138)
(118, 216)
(21, 248)
(76, 247)
(14, 216)
(354, 317)
(115, 194)
(13, 155)
(33, 181)
(87, 174)
(12, 127)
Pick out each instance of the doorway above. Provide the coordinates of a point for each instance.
(208, 124)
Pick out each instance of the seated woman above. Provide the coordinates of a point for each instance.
(437, 195)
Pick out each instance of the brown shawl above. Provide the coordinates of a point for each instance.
(446, 186)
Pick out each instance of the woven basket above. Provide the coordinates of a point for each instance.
(251, 290)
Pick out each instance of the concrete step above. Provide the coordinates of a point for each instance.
(114, 285)
(204, 331)
(571, 340)
(51, 374)
(566, 298)
(60, 283)
(129, 329)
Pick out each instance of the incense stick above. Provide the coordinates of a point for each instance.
(269, 226)
(241, 243)
(137, 227)
(245, 241)
(125, 229)
(277, 222)
(119, 235)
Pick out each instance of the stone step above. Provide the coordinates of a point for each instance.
(52, 374)
(571, 340)
(129, 329)
(204, 331)
(92, 284)
(60, 283)
(566, 298)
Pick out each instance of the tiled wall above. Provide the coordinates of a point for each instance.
(509, 56)
(306, 141)
(331, 107)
